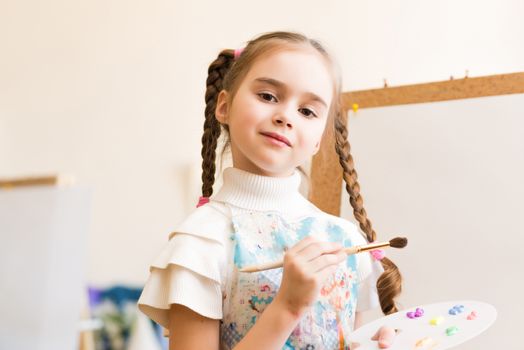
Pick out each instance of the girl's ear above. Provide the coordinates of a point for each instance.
(222, 107)
(317, 147)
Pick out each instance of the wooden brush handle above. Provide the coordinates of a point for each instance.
(348, 250)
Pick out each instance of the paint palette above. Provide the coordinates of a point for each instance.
(430, 327)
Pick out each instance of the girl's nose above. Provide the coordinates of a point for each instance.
(281, 119)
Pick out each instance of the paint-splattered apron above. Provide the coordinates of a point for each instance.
(261, 237)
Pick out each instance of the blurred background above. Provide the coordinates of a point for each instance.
(111, 93)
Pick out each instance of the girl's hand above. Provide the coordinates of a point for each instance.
(385, 337)
(307, 265)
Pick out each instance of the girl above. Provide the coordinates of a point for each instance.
(275, 101)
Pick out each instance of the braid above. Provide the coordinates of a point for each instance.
(389, 283)
(216, 73)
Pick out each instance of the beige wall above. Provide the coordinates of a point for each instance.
(112, 91)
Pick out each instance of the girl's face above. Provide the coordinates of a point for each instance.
(285, 94)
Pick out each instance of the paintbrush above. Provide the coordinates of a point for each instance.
(397, 242)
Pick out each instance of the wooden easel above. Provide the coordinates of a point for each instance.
(86, 336)
(50, 180)
(326, 173)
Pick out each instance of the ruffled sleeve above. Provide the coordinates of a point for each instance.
(189, 270)
(369, 272)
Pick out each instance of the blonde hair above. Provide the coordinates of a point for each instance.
(227, 73)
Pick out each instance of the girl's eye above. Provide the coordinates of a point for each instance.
(308, 112)
(267, 96)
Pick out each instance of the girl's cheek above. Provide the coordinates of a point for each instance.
(317, 133)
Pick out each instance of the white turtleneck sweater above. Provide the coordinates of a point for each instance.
(191, 269)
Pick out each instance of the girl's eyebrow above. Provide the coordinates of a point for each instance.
(280, 85)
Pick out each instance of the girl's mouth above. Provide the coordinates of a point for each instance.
(277, 139)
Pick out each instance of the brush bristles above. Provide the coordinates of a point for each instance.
(398, 242)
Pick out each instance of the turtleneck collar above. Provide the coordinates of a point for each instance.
(257, 192)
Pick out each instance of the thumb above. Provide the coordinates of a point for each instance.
(384, 336)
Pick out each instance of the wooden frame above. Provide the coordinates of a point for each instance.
(50, 180)
(326, 173)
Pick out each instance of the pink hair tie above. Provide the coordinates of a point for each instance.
(238, 52)
(378, 254)
(202, 200)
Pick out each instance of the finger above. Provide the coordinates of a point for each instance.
(302, 244)
(384, 336)
(324, 274)
(375, 336)
(317, 249)
(326, 260)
